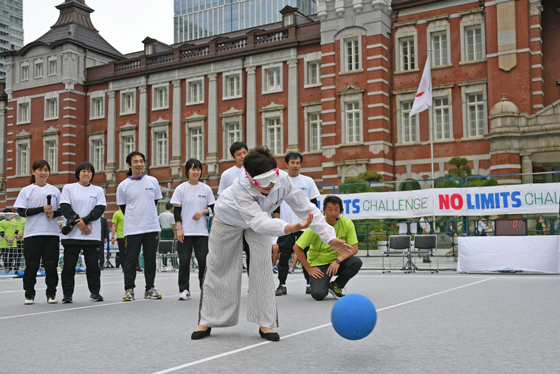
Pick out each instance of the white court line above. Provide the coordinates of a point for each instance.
(211, 358)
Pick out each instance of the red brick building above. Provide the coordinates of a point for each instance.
(337, 87)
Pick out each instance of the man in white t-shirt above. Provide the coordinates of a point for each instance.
(167, 222)
(286, 243)
(137, 197)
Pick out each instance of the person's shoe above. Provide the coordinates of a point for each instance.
(291, 270)
(272, 336)
(67, 299)
(335, 291)
(426, 260)
(139, 269)
(281, 290)
(95, 297)
(29, 300)
(152, 293)
(197, 335)
(185, 295)
(275, 269)
(52, 299)
(308, 290)
(128, 295)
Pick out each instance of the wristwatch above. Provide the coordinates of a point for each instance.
(337, 261)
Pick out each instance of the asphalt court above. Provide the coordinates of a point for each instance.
(442, 323)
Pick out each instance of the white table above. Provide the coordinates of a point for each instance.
(538, 253)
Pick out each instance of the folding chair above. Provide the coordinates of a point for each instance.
(399, 245)
(425, 246)
(166, 252)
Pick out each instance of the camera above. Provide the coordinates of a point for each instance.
(70, 223)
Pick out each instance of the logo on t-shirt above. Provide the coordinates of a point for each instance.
(201, 196)
(150, 189)
(93, 197)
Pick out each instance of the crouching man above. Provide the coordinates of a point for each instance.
(322, 261)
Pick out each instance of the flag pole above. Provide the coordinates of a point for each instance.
(432, 154)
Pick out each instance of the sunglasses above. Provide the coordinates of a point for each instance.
(265, 179)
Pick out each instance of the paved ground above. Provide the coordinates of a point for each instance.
(427, 323)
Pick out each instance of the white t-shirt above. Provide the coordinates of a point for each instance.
(139, 196)
(83, 199)
(242, 205)
(307, 185)
(166, 220)
(33, 196)
(228, 177)
(193, 198)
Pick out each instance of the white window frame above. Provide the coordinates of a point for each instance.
(226, 95)
(21, 118)
(437, 95)
(157, 131)
(467, 22)
(52, 61)
(189, 94)
(272, 111)
(356, 40)
(229, 117)
(312, 58)
(467, 90)
(51, 137)
(401, 99)
(346, 98)
(124, 93)
(94, 98)
(272, 143)
(160, 103)
(277, 84)
(94, 148)
(192, 124)
(38, 68)
(49, 99)
(402, 33)
(24, 71)
(23, 168)
(309, 111)
(438, 28)
(123, 146)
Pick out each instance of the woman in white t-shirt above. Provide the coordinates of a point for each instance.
(39, 204)
(192, 201)
(82, 205)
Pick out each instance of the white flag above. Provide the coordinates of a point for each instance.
(423, 99)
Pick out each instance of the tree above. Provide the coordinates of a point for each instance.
(463, 170)
(365, 179)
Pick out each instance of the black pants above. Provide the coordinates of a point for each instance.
(133, 244)
(185, 249)
(122, 254)
(247, 253)
(347, 270)
(93, 274)
(286, 244)
(37, 248)
(7, 252)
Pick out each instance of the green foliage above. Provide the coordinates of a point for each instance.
(364, 179)
(370, 176)
(482, 182)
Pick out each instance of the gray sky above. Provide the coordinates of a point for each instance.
(123, 23)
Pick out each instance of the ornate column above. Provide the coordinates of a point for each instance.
(293, 144)
(212, 156)
(251, 117)
(143, 123)
(526, 168)
(111, 167)
(176, 137)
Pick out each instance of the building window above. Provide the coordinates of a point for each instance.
(196, 143)
(22, 159)
(97, 154)
(314, 72)
(409, 131)
(24, 114)
(233, 134)
(288, 20)
(128, 144)
(442, 125)
(353, 122)
(53, 68)
(24, 72)
(39, 69)
(51, 108)
(272, 79)
(160, 148)
(315, 132)
(473, 43)
(274, 135)
(128, 102)
(232, 85)
(97, 107)
(439, 49)
(51, 153)
(476, 114)
(408, 54)
(160, 97)
(195, 93)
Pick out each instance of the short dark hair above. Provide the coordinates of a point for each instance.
(85, 166)
(129, 160)
(39, 164)
(236, 147)
(259, 161)
(293, 156)
(192, 163)
(168, 206)
(333, 200)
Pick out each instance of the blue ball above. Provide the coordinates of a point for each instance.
(353, 317)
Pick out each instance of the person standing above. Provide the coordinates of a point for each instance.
(286, 243)
(82, 205)
(8, 242)
(117, 227)
(137, 196)
(39, 203)
(19, 224)
(167, 222)
(192, 201)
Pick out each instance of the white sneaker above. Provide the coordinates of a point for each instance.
(29, 301)
(52, 300)
(185, 295)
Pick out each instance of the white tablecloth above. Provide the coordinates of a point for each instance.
(539, 253)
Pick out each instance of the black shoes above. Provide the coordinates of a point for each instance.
(67, 299)
(272, 336)
(197, 335)
(308, 290)
(95, 297)
(281, 290)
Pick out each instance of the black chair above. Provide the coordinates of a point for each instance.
(399, 246)
(425, 246)
(166, 252)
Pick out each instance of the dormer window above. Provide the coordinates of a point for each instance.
(288, 20)
(149, 49)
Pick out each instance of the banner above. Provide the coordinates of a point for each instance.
(473, 201)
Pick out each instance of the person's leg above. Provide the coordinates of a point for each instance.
(93, 273)
(305, 273)
(247, 253)
(122, 252)
(101, 257)
(32, 254)
(221, 290)
(50, 255)
(201, 252)
(7, 259)
(347, 270)
(149, 245)
(261, 306)
(320, 286)
(185, 252)
(19, 252)
(132, 245)
(286, 244)
(71, 254)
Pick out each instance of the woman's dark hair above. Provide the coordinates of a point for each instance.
(85, 166)
(259, 161)
(39, 164)
(129, 160)
(192, 163)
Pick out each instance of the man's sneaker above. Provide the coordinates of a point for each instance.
(139, 269)
(335, 291)
(29, 300)
(128, 295)
(52, 299)
(185, 295)
(281, 290)
(152, 293)
(308, 290)
(67, 299)
(95, 297)
(275, 269)
(290, 270)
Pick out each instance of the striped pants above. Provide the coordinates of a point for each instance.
(221, 290)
